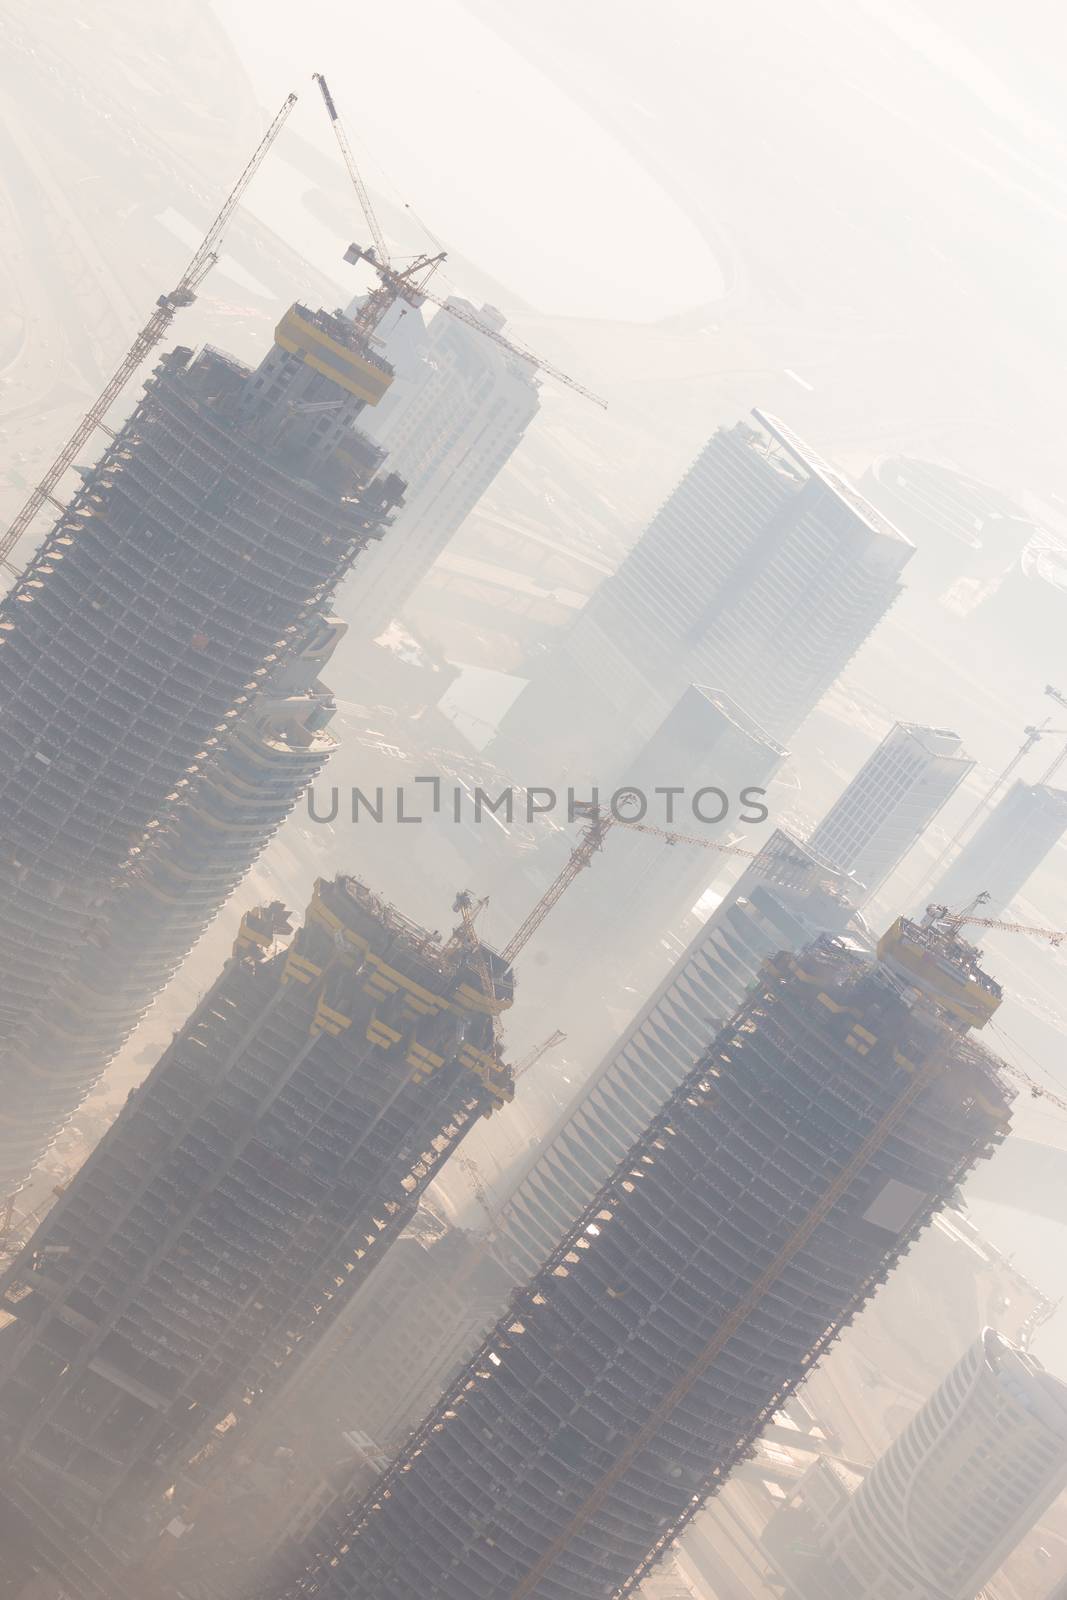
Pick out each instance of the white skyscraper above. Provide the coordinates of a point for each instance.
(762, 574)
(461, 405)
(938, 1513)
(891, 801)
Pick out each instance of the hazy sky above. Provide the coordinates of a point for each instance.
(498, 160)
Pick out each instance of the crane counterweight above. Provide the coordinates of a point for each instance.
(410, 284)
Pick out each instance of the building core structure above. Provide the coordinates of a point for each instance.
(939, 1512)
(188, 566)
(758, 1211)
(761, 575)
(278, 1146)
(891, 802)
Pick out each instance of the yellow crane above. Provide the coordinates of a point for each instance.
(183, 294)
(533, 1056)
(470, 1167)
(468, 1163)
(410, 283)
(595, 832)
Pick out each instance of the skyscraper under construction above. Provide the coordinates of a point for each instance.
(247, 1188)
(187, 570)
(198, 854)
(784, 898)
(747, 1225)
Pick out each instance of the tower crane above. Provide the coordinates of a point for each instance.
(183, 294)
(955, 921)
(592, 839)
(410, 284)
(593, 835)
(533, 1056)
(598, 823)
(470, 1167)
(1051, 771)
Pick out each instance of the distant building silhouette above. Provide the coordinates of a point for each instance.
(761, 575)
(458, 409)
(891, 802)
(1005, 850)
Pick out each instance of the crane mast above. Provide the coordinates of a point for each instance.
(183, 294)
(353, 171)
(533, 1056)
(410, 284)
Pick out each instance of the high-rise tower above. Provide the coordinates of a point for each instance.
(762, 574)
(891, 801)
(704, 771)
(279, 1144)
(783, 900)
(186, 567)
(348, 1408)
(1005, 850)
(378, 1363)
(459, 407)
(941, 1509)
(758, 1211)
(227, 812)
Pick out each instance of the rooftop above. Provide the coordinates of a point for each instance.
(815, 467)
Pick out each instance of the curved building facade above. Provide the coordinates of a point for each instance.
(197, 856)
(950, 1499)
(185, 569)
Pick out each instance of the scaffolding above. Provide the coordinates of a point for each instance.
(277, 1148)
(185, 572)
(778, 1186)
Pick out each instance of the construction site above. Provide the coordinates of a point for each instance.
(203, 848)
(184, 571)
(702, 1215)
(774, 1192)
(275, 1151)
